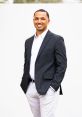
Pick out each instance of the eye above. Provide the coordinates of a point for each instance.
(42, 18)
(35, 18)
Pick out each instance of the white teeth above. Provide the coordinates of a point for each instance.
(39, 25)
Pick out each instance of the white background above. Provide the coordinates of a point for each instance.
(15, 27)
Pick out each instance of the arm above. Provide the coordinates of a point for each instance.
(61, 63)
(25, 70)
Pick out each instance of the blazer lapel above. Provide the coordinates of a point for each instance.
(45, 41)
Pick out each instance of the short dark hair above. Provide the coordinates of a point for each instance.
(42, 10)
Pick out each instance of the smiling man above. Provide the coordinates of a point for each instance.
(41, 22)
(44, 67)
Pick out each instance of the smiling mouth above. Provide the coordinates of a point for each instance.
(39, 25)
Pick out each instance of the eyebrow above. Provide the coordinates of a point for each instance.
(39, 17)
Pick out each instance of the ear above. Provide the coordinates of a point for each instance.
(48, 20)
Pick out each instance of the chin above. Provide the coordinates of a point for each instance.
(40, 29)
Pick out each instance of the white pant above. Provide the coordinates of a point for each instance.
(42, 105)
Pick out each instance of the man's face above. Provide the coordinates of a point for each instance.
(40, 21)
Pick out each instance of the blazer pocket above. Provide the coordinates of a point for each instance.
(48, 76)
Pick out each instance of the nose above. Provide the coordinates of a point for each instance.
(39, 20)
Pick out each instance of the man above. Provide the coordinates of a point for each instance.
(44, 67)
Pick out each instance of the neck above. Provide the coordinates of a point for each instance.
(38, 33)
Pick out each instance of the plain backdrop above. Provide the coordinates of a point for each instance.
(15, 27)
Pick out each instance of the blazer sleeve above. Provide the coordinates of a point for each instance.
(61, 63)
(25, 73)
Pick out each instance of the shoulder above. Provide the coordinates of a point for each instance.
(29, 40)
(55, 37)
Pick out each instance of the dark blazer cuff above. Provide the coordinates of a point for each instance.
(54, 86)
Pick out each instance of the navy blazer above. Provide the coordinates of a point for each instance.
(50, 65)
